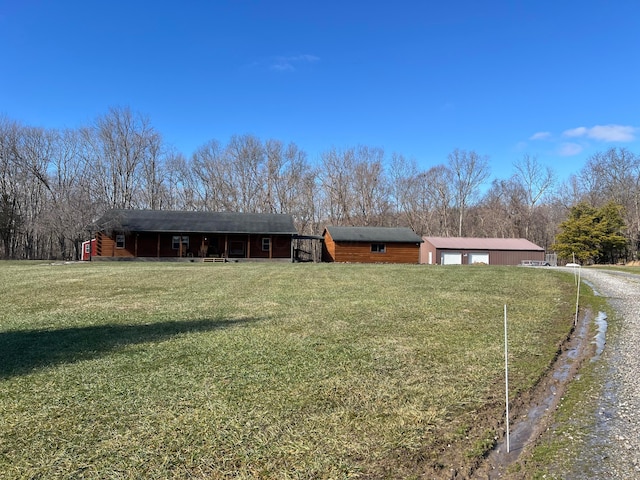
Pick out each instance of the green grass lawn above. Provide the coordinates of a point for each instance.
(186, 370)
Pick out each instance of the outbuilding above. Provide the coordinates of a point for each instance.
(88, 250)
(370, 245)
(490, 251)
(164, 234)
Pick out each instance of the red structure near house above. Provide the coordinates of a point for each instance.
(88, 250)
(162, 234)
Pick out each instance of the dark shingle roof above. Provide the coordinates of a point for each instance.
(470, 243)
(373, 234)
(196, 222)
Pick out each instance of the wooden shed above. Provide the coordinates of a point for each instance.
(162, 234)
(490, 251)
(88, 250)
(371, 245)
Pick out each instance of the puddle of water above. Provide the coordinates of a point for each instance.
(601, 337)
(592, 286)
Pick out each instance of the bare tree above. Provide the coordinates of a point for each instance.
(72, 207)
(536, 181)
(469, 171)
(10, 219)
(420, 198)
(208, 180)
(153, 192)
(615, 175)
(336, 183)
(291, 184)
(120, 144)
(32, 153)
(244, 164)
(370, 187)
(501, 211)
(404, 196)
(285, 169)
(310, 214)
(440, 195)
(180, 182)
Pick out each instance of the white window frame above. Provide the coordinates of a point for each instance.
(120, 240)
(266, 244)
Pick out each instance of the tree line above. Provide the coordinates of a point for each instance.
(55, 183)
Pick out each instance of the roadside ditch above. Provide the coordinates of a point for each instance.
(531, 414)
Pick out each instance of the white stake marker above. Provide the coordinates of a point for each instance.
(506, 375)
(575, 321)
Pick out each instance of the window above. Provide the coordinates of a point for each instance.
(120, 241)
(378, 248)
(236, 249)
(87, 248)
(175, 242)
(266, 244)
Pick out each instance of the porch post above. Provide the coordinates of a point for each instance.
(292, 249)
(158, 247)
(249, 246)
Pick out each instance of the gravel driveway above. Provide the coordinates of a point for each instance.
(614, 446)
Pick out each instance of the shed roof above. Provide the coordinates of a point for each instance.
(196, 222)
(373, 234)
(470, 243)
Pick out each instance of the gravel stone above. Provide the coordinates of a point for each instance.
(615, 441)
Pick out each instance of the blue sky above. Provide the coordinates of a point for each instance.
(559, 80)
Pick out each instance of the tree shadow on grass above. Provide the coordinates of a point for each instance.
(24, 351)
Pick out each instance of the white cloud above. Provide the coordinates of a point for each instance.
(575, 132)
(540, 136)
(569, 149)
(604, 133)
(613, 133)
(290, 63)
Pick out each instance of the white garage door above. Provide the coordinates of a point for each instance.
(478, 258)
(451, 258)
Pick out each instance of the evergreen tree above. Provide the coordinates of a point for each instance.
(613, 243)
(592, 234)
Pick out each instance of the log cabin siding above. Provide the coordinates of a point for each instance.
(160, 245)
(171, 234)
(360, 252)
(106, 246)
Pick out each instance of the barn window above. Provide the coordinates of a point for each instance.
(175, 242)
(266, 244)
(378, 248)
(120, 241)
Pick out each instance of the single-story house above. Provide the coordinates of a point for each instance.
(164, 234)
(370, 245)
(467, 251)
